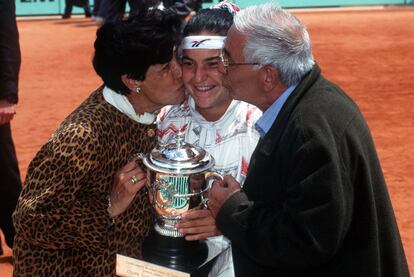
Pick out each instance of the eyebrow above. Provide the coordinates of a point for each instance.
(205, 60)
(212, 58)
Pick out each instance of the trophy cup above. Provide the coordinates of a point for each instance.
(179, 176)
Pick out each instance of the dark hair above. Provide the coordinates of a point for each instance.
(133, 45)
(216, 21)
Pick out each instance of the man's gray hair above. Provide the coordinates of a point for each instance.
(276, 37)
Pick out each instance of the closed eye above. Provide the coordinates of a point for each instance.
(187, 63)
(212, 64)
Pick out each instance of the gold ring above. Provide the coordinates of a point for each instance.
(134, 179)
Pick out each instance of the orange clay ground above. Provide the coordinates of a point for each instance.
(368, 53)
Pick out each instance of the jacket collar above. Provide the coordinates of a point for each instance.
(272, 138)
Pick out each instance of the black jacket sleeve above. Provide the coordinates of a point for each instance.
(9, 51)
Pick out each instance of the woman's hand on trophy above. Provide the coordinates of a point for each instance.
(197, 224)
(128, 181)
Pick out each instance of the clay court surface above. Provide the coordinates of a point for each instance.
(369, 53)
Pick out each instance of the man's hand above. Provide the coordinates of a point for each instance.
(7, 111)
(220, 192)
(197, 224)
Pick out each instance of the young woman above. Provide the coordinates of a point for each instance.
(209, 117)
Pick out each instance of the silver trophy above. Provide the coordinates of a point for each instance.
(179, 176)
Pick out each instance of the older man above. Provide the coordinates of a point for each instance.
(315, 202)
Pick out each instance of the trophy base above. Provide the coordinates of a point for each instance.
(177, 253)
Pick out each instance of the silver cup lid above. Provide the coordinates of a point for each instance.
(179, 157)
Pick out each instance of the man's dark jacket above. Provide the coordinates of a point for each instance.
(315, 202)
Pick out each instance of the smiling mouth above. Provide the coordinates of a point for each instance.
(203, 88)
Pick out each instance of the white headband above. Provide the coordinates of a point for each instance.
(203, 42)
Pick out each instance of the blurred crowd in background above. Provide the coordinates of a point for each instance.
(110, 10)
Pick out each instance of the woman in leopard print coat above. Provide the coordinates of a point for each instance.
(83, 200)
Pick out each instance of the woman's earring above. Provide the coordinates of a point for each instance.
(138, 90)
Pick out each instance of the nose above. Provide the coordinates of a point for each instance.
(199, 73)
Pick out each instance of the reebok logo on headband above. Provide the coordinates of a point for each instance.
(203, 42)
(198, 43)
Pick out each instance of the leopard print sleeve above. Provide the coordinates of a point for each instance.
(63, 202)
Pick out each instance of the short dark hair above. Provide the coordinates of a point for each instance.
(131, 46)
(216, 21)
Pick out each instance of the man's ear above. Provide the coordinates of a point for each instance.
(270, 78)
(130, 83)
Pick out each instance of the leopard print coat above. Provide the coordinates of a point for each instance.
(62, 224)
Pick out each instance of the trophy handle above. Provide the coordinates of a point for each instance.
(210, 178)
(138, 156)
(153, 192)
